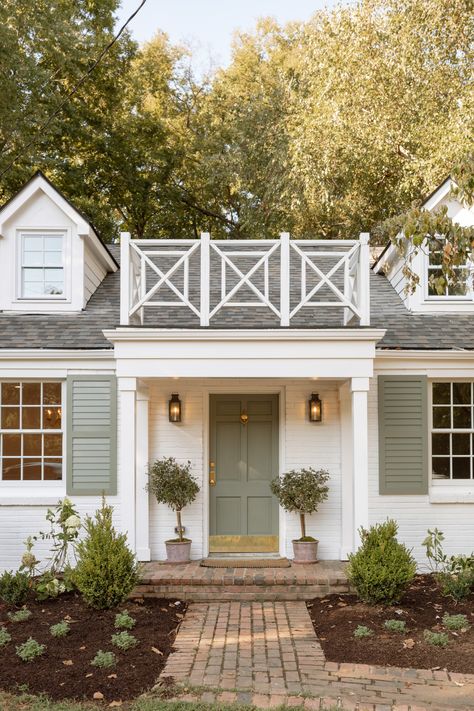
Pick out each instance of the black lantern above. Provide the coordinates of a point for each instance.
(174, 408)
(315, 408)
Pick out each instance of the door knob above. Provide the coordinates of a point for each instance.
(212, 474)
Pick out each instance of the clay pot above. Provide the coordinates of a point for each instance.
(178, 551)
(305, 551)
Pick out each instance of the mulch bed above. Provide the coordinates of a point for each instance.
(335, 618)
(136, 671)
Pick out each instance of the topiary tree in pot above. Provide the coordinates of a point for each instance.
(173, 484)
(301, 491)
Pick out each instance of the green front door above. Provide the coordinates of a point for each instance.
(243, 461)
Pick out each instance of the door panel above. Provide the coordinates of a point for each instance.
(243, 512)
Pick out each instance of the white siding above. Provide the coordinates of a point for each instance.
(94, 273)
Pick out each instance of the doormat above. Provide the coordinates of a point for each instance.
(245, 563)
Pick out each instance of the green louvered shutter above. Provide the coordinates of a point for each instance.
(403, 434)
(91, 435)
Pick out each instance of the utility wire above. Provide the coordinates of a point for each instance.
(71, 93)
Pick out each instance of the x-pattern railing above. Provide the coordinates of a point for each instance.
(245, 265)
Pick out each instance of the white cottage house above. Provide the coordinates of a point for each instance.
(240, 336)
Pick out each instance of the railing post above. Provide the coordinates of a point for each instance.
(124, 278)
(205, 278)
(363, 278)
(285, 279)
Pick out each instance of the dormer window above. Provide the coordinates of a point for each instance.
(459, 290)
(42, 265)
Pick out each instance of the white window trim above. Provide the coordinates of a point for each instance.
(21, 232)
(35, 488)
(437, 299)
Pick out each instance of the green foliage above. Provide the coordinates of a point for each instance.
(455, 622)
(172, 484)
(29, 562)
(455, 573)
(104, 660)
(65, 524)
(14, 587)
(20, 615)
(5, 637)
(124, 621)
(361, 631)
(107, 570)
(124, 640)
(382, 568)
(30, 649)
(437, 639)
(301, 491)
(395, 625)
(60, 629)
(48, 586)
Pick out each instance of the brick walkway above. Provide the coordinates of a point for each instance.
(268, 654)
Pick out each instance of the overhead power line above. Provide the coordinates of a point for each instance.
(40, 128)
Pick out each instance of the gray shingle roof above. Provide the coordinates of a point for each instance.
(84, 330)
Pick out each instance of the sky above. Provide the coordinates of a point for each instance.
(209, 24)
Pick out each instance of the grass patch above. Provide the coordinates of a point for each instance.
(361, 632)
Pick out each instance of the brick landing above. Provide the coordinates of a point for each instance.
(192, 582)
(267, 654)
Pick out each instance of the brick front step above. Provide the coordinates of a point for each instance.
(193, 582)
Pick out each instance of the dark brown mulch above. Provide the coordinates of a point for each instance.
(335, 618)
(136, 670)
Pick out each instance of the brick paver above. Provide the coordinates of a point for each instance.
(267, 653)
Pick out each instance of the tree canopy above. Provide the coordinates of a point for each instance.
(324, 128)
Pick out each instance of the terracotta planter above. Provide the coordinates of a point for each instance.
(305, 551)
(178, 551)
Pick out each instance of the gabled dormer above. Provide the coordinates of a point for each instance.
(458, 298)
(51, 259)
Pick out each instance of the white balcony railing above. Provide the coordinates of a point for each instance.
(206, 276)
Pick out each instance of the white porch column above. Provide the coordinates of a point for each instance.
(141, 463)
(360, 455)
(347, 474)
(127, 388)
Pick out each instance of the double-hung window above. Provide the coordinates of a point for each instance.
(452, 435)
(42, 265)
(31, 436)
(459, 289)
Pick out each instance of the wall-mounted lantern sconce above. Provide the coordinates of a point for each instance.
(174, 408)
(315, 408)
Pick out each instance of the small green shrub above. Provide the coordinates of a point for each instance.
(107, 570)
(5, 636)
(49, 586)
(29, 650)
(456, 585)
(124, 621)
(14, 587)
(382, 568)
(124, 640)
(455, 573)
(60, 629)
(362, 631)
(20, 615)
(455, 622)
(395, 625)
(104, 660)
(437, 639)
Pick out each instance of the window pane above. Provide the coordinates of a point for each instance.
(53, 469)
(54, 244)
(31, 393)
(10, 393)
(441, 417)
(53, 444)
(33, 290)
(435, 257)
(33, 259)
(461, 468)
(10, 418)
(32, 469)
(31, 418)
(462, 393)
(52, 259)
(441, 393)
(11, 469)
(440, 443)
(32, 243)
(461, 417)
(458, 289)
(53, 288)
(11, 445)
(51, 393)
(52, 418)
(440, 467)
(31, 444)
(461, 443)
(32, 276)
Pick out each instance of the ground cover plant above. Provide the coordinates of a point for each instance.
(64, 669)
(425, 629)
